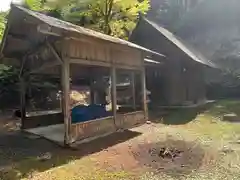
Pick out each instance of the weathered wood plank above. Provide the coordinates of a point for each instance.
(132, 119)
(89, 62)
(144, 90)
(127, 58)
(133, 90)
(92, 128)
(53, 50)
(65, 76)
(114, 93)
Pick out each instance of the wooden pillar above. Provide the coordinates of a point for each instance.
(92, 93)
(23, 101)
(114, 93)
(144, 90)
(65, 76)
(133, 90)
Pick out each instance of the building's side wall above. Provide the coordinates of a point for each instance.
(179, 85)
(196, 83)
(185, 79)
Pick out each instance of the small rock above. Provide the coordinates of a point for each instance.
(120, 130)
(32, 136)
(231, 117)
(45, 157)
(149, 122)
(227, 150)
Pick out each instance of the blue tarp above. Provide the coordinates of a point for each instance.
(83, 113)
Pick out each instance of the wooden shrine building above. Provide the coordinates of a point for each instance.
(40, 44)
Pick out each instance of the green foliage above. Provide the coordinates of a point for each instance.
(112, 17)
(2, 23)
(38, 88)
(9, 95)
(35, 5)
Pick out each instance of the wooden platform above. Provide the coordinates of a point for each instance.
(53, 133)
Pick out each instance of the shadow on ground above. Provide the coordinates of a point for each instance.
(172, 157)
(178, 116)
(19, 155)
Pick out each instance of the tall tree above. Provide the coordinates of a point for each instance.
(112, 17)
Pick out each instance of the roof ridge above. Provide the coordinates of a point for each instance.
(180, 43)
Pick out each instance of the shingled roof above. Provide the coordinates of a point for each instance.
(69, 27)
(185, 47)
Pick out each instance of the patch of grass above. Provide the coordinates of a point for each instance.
(210, 122)
(82, 169)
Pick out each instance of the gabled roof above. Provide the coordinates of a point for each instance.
(69, 27)
(186, 48)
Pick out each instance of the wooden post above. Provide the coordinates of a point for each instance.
(133, 90)
(114, 93)
(144, 90)
(23, 101)
(65, 76)
(92, 93)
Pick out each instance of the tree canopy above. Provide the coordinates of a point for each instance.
(113, 17)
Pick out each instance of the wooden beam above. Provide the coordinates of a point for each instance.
(23, 101)
(48, 30)
(101, 63)
(91, 76)
(55, 53)
(114, 93)
(113, 45)
(144, 90)
(133, 89)
(65, 81)
(22, 66)
(89, 62)
(37, 48)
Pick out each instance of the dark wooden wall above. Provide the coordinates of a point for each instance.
(182, 78)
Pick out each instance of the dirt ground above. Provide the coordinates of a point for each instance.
(203, 147)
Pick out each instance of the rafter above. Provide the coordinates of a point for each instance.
(54, 51)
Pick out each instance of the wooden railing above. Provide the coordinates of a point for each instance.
(104, 126)
(129, 120)
(92, 129)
